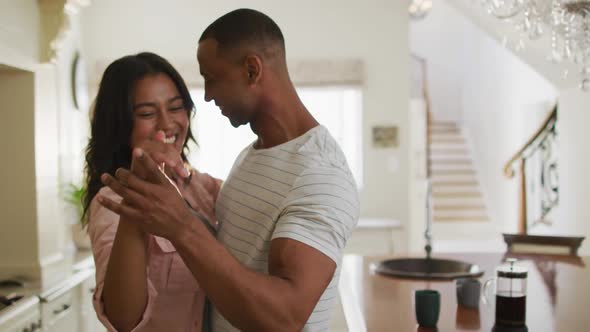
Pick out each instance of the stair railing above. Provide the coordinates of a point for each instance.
(537, 164)
(424, 71)
(428, 202)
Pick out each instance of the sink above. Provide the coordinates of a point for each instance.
(427, 268)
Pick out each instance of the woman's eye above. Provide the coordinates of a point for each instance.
(145, 114)
(177, 108)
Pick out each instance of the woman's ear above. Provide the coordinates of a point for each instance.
(253, 66)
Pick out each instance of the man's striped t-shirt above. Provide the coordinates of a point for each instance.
(302, 190)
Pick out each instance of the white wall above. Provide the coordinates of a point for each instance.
(573, 217)
(439, 38)
(502, 100)
(374, 31)
(19, 29)
(37, 200)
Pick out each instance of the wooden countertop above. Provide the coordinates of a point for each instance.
(558, 295)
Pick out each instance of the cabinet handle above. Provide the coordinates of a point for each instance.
(63, 308)
(35, 326)
(92, 290)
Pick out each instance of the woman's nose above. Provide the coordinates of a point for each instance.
(164, 121)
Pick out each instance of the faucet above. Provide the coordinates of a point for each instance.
(428, 230)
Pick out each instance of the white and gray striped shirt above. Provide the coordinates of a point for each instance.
(302, 190)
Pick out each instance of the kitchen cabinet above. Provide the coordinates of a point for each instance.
(62, 306)
(88, 321)
(25, 316)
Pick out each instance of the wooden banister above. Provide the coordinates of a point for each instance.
(509, 166)
(426, 96)
(521, 156)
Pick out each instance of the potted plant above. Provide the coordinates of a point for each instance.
(73, 195)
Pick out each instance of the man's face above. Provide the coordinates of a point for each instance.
(226, 83)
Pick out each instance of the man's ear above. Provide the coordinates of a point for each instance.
(253, 65)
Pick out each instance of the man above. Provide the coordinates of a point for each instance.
(287, 208)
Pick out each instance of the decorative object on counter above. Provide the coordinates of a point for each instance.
(468, 292)
(427, 303)
(510, 291)
(543, 244)
(427, 268)
(73, 196)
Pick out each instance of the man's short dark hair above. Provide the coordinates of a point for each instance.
(244, 26)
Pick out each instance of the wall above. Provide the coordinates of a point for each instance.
(573, 214)
(17, 193)
(439, 38)
(503, 98)
(373, 31)
(19, 30)
(35, 227)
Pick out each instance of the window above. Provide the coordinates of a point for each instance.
(338, 108)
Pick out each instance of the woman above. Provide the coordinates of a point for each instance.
(142, 283)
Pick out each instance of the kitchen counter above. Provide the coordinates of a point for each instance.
(75, 261)
(558, 295)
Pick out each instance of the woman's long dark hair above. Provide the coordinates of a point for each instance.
(112, 117)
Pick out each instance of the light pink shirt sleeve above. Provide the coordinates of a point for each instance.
(102, 227)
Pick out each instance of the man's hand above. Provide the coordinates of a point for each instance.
(154, 202)
(200, 190)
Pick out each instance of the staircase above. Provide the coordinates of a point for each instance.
(460, 219)
(456, 194)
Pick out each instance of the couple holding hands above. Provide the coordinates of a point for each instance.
(178, 250)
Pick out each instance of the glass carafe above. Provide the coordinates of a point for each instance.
(510, 291)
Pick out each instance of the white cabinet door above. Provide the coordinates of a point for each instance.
(88, 320)
(61, 314)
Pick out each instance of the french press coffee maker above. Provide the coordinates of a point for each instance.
(510, 291)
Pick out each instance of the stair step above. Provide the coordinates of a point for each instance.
(434, 166)
(451, 171)
(451, 183)
(459, 213)
(445, 130)
(455, 194)
(454, 207)
(462, 201)
(450, 160)
(436, 146)
(444, 178)
(459, 218)
(448, 151)
(443, 124)
(457, 141)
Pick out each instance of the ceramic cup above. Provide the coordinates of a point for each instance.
(468, 292)
(427, 303)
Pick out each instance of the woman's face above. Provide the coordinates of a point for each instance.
(157, 105)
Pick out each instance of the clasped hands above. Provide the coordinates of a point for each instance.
(158, 192)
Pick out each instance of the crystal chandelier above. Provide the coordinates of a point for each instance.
(419, 8)
(567, 21)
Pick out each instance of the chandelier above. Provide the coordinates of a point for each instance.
(567, 22)
(419, 8)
